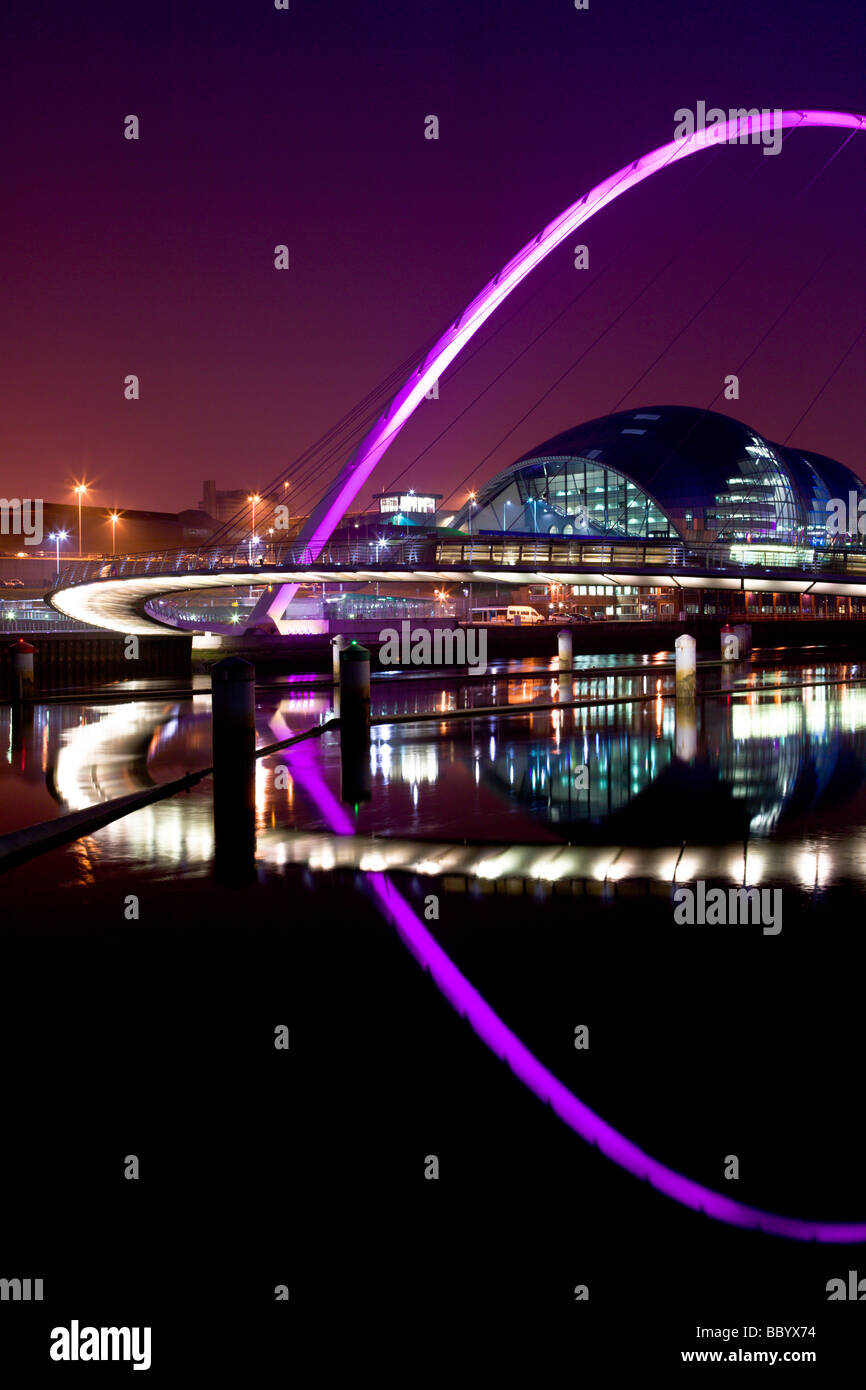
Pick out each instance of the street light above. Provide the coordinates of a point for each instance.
(80, 488)
(472, 497)
(57, 537)
(381, 543)
(254, 498)
(114, 517)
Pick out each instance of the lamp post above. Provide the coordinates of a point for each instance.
(80, 488)
(57, 537)
(472, 497)
(114, 517)
(381, 544)
(254, 498)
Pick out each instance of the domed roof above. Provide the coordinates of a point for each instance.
(683, 456)
(686, 459)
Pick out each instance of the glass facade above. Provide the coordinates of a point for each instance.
(759, 502)
(571, 497)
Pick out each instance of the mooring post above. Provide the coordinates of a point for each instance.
(355, 690)
(233, 708)
(338, 644)
(355, 776)
(730, 644)
(686, 662)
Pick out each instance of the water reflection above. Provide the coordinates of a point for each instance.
(779, 761)
(758, 763)
(563, 865)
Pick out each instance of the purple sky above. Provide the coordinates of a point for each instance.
(307, 127)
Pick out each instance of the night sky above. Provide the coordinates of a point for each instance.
(306, 127)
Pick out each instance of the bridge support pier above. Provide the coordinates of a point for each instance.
(22, 671)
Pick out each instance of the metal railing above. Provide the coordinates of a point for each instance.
(222, 559)
(506, 553)
(647, 555)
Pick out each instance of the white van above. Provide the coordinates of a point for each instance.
(520, 614)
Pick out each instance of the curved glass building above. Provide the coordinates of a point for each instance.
(669, 472)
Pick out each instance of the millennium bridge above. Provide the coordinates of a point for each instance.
(123, 593)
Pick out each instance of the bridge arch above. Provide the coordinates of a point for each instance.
(127, 616)
(327, 515)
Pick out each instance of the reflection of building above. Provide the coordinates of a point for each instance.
(772, 761)
(668, 472)
(621, 763)
(786, 758)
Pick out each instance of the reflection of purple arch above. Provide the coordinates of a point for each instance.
(496, 1035)
(327, 515)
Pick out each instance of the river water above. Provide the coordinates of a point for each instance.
(550, 841)
(766, 780)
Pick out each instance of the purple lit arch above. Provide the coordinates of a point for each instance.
(496, 1034)
(327, 515)
(506, 1045)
